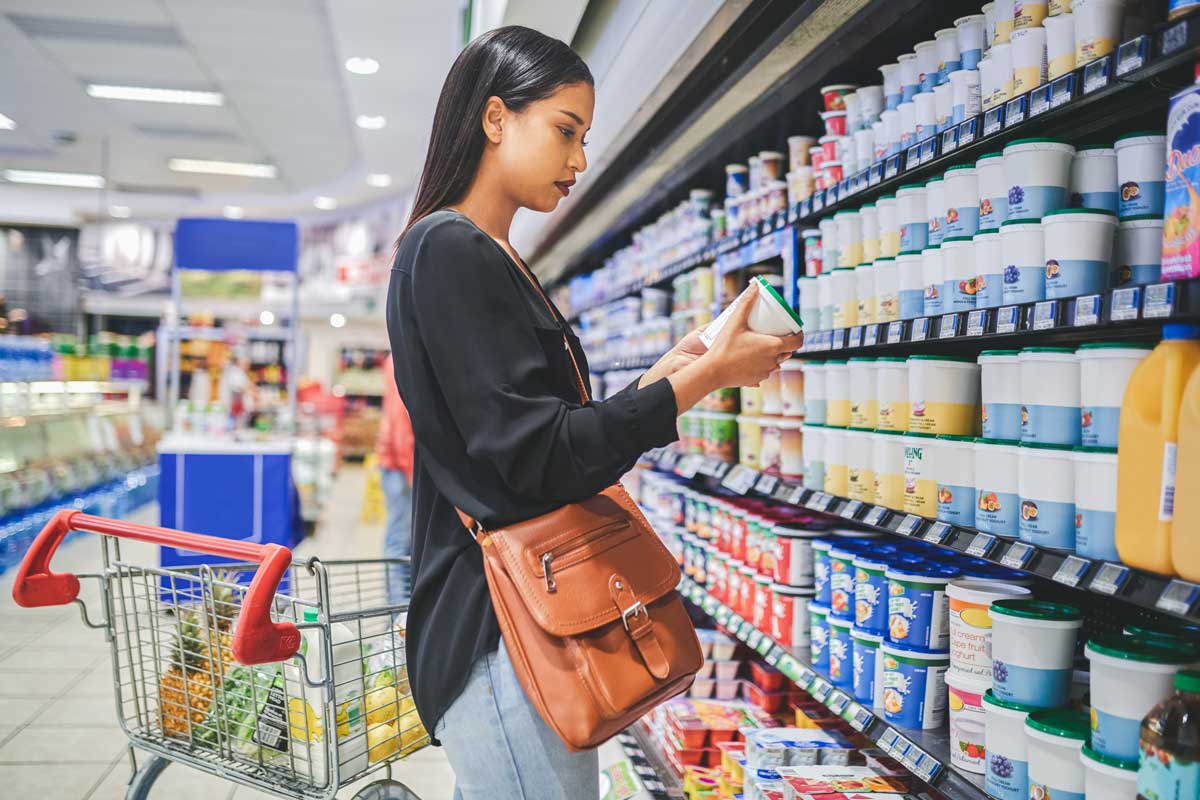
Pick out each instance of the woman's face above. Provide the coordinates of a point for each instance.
(540, 149)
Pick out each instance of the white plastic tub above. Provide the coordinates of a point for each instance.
(920, 483)
(890, 120)
(810, 302)
(1050, 396)
(1029, 14)
(1060, 45)
(791, 385)
(791, 624)
(1096, 504)
(845, 298)
(891, 389)
(993, 190)
(849, 227)
(1104, 372)
(1139, 251)
(793, 565)
(887, 290)
(971, 30)
(865, 293)
(1022, 247)
(958, 267)
(1097, 28)
(908, 123)
(791, 448)
(932, 280)
(989, 269)
(889, 226)
(864, 397)
(770, 314)
(1078, 251)
(927, 63)
(1140, 174)
(869, 218)
(971, 626)
(891, 85)
(868, 667)
(1007, 776)
(955, 475)
(997, 494)
(1000, 20)
(836, 463)
(910, 267)
(1038, 173)
(965, 95)
(1000, 394)
(870, 100)
(860, 476)
(948, 53)
(1094, 178)
(1033, 649)
(967, 720)
(825, 293)
(996, 76)
(1106, 778)
(962, 201)
(887, 462)
(925, 114)
(1047, 487)
(935, 210)
(837, 393)
(944, 395)
(814, 456)
(912, 216)
(1029, 59)
(815, 392)
(1055, 740)
(943, 104)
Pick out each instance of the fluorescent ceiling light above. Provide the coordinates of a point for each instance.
(6, 123)
(149, 94)
(379, 180)
(238, 168)
(337, 320)
(74, 179)
(362, 66)
(120, 212)
(369, 123)
(325, 203)
(236, 212)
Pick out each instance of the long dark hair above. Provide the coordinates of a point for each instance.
(517, 64)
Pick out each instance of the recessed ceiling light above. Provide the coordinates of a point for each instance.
(235, 212)
(362, 66)
(238, 168)
(369, 123)
(325, 203)
(120, 212)
(74, 179)
(6, 123)
(337, 320)
(379, 180)
(267, 318)
(149, 94)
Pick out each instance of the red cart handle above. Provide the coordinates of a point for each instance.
(256, 640)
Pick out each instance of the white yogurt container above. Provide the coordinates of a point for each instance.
(891, 389)
(944, 395)
(997, 491)
(958, 267)
(935, 210)
(887, 290)
(1000, 394)
(860, 477)
(943, 104)
(932, 280)
(1029, 14)
(770, 314)
(815, 392)
(927, 65)
(1096, 503)
(864, 398)
(1033, 649)
(870, 100)
(989, 269)
(791, 387)
(908, 124)
(1022, 247)
(1029, 59)
(955, 476)
(920, 485)
(887, 462)
(967, 721)
(1007, 775)
(1094, 178)
(837, 477)
(791, 452)
(1129, 676)
(1079, 247)
(1050, 394)
(1141, 177)
(825, 293)
(837, 393)
(948, 53)
(845, 298)
(849, 236)
(864, 292)
(925, 114)
(1139, 251)
(962, 201)
(914, 686)
(814, 456)
(910, 267)
(891, 85)
(810, 302)
(965, 95)
(890, 120)
(1046, 483)
(914, 221)
(1097, 28)
(791, 623)
(1000, 20)
(1106, 778)
(868, 667)
(971, 31)
(971, 625)
(869, 218)
(793, 555)
(993, 190)
(864, 146)
(1038, 173)
(996, 76)
(1055, 739)
(1060, 45)
(889, 226)
(1104, 372)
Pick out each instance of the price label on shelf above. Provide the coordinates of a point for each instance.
(1110, 579)
(937, 532)
(740, 479)
(1039, 100)
(1006, 319)
(766, 484)
(912, 157)
(1062, 90)
(1173, 38)
(851, 509)
(831, 196)
(818, 202)
(993, 121)
(909, 525)
(1131, 55)
(1016, 111)
(870, 336)
(875, 174)
(895, 332)
(968, 131)
(774, 655)
(722, 615)
(668, 459)
(1045, 315)
(764, 646)
(855, 337)
(891, 167)
(839, 339)
(795, 495)
(948, 326)
(1071, 571)
(981, 545)
(875, 516)
(789, 666)
(923, 765)
(928, 150)
(806, 209)
(754, 639)
(1087, 310)
(820, 689)
(920, 329)
(1125, 303)
(887, 741)
(976, 322)
(1018, 555)
(837, 702)
(1159, 301)
(1178, 598)
(1096, 75)
(859, 717)
(824, 501)
(949, 141)
(689, 465)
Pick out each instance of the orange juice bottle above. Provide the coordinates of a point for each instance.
(1147, 447)
(1185, 531)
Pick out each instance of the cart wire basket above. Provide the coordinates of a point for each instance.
(286, 676)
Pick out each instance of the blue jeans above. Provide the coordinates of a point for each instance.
(499, 746)
(397, 538)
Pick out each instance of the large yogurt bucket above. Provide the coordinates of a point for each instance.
(890, 120)
(920, 483)
(971, 30)
(1060, 45)
(1107, 778)
(860, 476)
(1094, 178)
(944, 395)
(1007, 776)
(1129, 676)
(962, 201)
(864, 292)
(887, 290)
(810, 302)
(829, 244)
(927, 65)
(1139, 251)
(887, 462)
(791, 625)
(869, 217)
(965, 95)
(932, 280)
(958, 267)
(891, 390)
(750, 434)
(955, 475)
(914, 686)
(870, 99)
(815, 392)
(910, 268)
(999, 21)
(1029, 14)
(1038, 173)
(891, 86)
(868, 667)
(825, 295)
(948, 53)
(837, 392)
(864, 398)
(889, 226)
(1096, 503)
(989, 269)
(993, 190)
(1056, 737)
(1022, 247)
(1047, 488)
(1097, 28)
(1033, 649)
(871, 592)
(792, 564)
(837, 475)
(914, 221)
(1029, 59)
(845, 298)
(971, 625)
(791, 387)
(908, 124)
(996, 76)
(1000, 391)
(925, 114)
(1050, 396)
(813, 447)
(935, 210)
(1104, 372)
(917, 610)
(1141, 176)
(997, 490)
(849, 235)
(1079, 245)
(943, 104)
(967, 720)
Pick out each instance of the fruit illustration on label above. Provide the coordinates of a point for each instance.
(1078, 520)
(976, 617)
(898, 627)
(989, 501)
(910, 485)
(952, 215)
(1051, 268)
(1123, 274)
(1015, 195)
(918, 408)
(1085, 417)
(968, 286)
(999, 671)
(1029, 510)
(985, 206)
(980, 283)
(1024, 415)
(1130, 190)
(956, 703)
(1094, 719)
(1000, 766)
(983, 415)
(944, 495)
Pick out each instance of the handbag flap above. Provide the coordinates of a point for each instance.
(583, 545)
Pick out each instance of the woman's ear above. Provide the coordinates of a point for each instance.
(493, 119)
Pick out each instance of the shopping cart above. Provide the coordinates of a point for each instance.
(286, 676)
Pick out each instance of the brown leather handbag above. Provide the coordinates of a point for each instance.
(586, 601)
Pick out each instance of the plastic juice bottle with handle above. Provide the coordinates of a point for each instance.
(1169, 758)
(1147, 445)
(1185, 529)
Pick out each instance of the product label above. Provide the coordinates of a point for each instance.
(870, 591)
(970, 638)
(932, 304)
(1026, 78)
(920, 495)
(956, 504)
(1033, 202)
(814, 410)
(841, 665)
(1105, 200)
(1028, 14)
(1069, 277)
(837, 480)
(1095, 534)
(841, 589)
(864, 414)
(1023, 284)
(838, 413)
(914, 235)
(893, 415)
(912, 303)
(996, 512)
(968, 747)
(1044, 688)
(818, 644)
(1115, 736)
(1037, 789)
(914, 692)
(1166, 494)
(1058, 66)
(959, 295)
(1001, 421)
(953, 419)
(1050, 424)
(1100, 425)
(1181, 221)
(867, 670)
(1142, 197)
(1162, 776)
(992, 211)
(1136, 274)
(936, 230)
(814, 475)
(1048, 523)
(889, 490)
(971, 58)
(821, 577)
(917, 614)
(989, 290)
(1007, 778)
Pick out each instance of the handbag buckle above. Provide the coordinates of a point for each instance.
(632, 612)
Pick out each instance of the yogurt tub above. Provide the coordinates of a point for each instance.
(791, 387)
(927, 61)
(948, 53)
(999, 15)
(1170, 628)
(890, 124)
(935, 210)
(1029, 14)
(871, 592)
(864, 293)
(962, 201)
(914, 686)
(841, 579)
(841, 658)
(870, 99)
(825, 295)
(1094, 178)
(814, 392)
(889, 226)
(1007, 775)
(958, 266)
(1029, 59)
(818, 637)
(750, 441)
(1050, 392)
(1000, 391)
(790, 622)
(849, 235)
(1140, 175)
(996, 76)
(772, 394)
(1096, 503)
(971, 626)
(868, 667)
(892, 93)
(1060, 45)
(1023, 253)
(1107, 778)
(810, 302)
(989, 269)
(993, 190)
(829, 243)
(1097, 28)
(917, 610)
(813, 438)
(944, 395)
(943, 103)
(908, 124)
(887, 290)
(1033, 649)
(864, 401)
(965, 95)
(967, 721)
(1129, 676)
(910, 269)
(793, 558)
(1046, 484)
(770, 314)
(821, 587)
(955, 474)
(869, 216)
(932, 280)
(751, 400)
(997, 498)
(887, 462)
(1139, 251)
(1078, 249)
(971, 30)
(920, 486)
(837, 390)
(771, 456)
(860, 474)
(1055, 739)
(1104, 371)
(1038, 173)
(912, 215)
(837, 477)
(925, 114)
(891, 391)
(798, 147)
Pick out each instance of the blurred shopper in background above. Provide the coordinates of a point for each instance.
(395, 451)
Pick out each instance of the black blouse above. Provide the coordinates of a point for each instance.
(500, 431)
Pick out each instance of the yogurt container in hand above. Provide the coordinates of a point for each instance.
(770, 315)
(1056, 737)
(1033, 651)
(968, 748)
(914, 686)
(1007, 776)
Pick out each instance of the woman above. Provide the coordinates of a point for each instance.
(481, 364)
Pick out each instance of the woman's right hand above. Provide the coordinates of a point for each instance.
(742, 357)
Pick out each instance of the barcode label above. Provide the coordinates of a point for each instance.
(1018, 555)
(1178, 597)
(1110, 579)
(937, 532)
(1072, 570)
(909, 524)
(981, 545)
(875, 515)
(851, 509)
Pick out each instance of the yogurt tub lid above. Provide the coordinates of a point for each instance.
(918, 434)
(843, 269)
(1005, 707)
(987, 232)
(1148, 651)
(1093, 346)
(780, 303)
(1038, 610)
(847, 212)
(808, 425)
(910, 187)
(960, 167)
(865, 206)
(834, 362)
(953, 437)
(986, 156)
(1139, 135)
(824, 543)
(730, 168)
(993, 574)
(891, 360)
(984, 591)
(998, 355)
(861, 360)
(954, 239)
(909, 253)
(874, 559)
(1088, 754)
(1092, 148)
(920, 653)
(1059, 723)
(969, 18)
(793, 591)
(841, 624)
(927, 572)
(938, 179)
(968, 683)
(1096, 455)
(884, 197)
(947, 359)
(1166, 627)
(1037, 140)
(1047, 354)
(789, 423)
(1025, 221)
(866, 637)
(1049, 216)
(1065, 449)
(776, 154)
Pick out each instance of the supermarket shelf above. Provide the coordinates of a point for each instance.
(1128, 312)
(657, 777)
(655, 278)
(73, 387)
(925, 753)
(641, 362)
(1157, 593)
